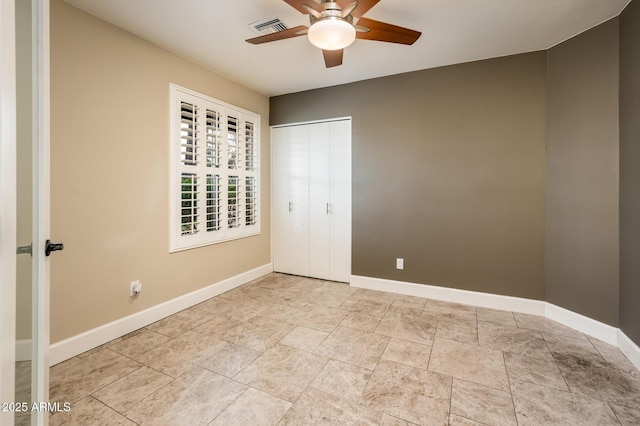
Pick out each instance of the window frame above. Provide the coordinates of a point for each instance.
(205, 105)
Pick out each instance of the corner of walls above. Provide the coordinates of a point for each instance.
(582, 272)
(630, 172)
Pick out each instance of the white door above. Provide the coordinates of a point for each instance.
(290, 200)
(25, 209)
(311, 187)
(7, 206)
(340, 201)
(319, 137)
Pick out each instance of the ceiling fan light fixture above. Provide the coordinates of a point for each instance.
(332, 33)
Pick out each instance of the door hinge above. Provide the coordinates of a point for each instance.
(24, 250)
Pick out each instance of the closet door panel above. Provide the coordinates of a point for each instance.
(298, 229)
(319, 200)
(280, 195)
(290, 204)
(340, 189)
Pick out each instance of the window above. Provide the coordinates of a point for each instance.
(214, 171)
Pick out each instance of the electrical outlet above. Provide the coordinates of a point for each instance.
(399, 263)
(135, 287)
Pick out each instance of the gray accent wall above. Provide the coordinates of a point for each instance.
(517, 175)
(582, 245)
(630, 171)
(448, 172)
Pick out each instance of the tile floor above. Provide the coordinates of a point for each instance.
(297, 351)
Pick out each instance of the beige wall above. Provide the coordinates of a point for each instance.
(448, 172)
(630, 171)
(109, 175)
(582, 261)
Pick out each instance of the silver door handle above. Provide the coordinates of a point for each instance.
(328, 208)
(290, 206)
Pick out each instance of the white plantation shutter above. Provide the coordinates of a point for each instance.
(188, 204)
(233, 143)
(214, 138)
(233, 201)
(249, 146)
(214, 168)
(251, 214)
(213, 203)
(188, 134)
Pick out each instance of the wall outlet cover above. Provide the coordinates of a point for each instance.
(135, 287)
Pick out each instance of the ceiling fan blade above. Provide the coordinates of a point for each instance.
(333, 58)
(381, 31)
(363, 6)
(280, 35)
(299, 5)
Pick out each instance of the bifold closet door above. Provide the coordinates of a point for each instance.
(290, 187)
(311, 187)
(330, 200)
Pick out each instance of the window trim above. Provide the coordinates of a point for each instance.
(177, 241)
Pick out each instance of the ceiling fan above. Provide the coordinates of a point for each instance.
(335, 24)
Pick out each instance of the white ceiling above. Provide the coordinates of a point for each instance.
(212, 33)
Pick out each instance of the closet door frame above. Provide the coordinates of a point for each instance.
(345, 228)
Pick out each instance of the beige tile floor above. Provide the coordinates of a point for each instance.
(297, 351)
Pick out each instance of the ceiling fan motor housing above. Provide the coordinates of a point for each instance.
(332, 10)
(330, 5)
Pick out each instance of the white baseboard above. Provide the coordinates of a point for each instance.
(90, 339)
(630, 349)
(583, 324)
(586, 325)
(466, 297)
(23, 350)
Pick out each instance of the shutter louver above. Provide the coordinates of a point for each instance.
(233, 202)
(249, 146)
(250, 201)
(188, 134)
(213, 203)
(213, 139)
(189, 204)
(233, 146)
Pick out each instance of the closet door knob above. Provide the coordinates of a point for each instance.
(290, 206)
(328, 208)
